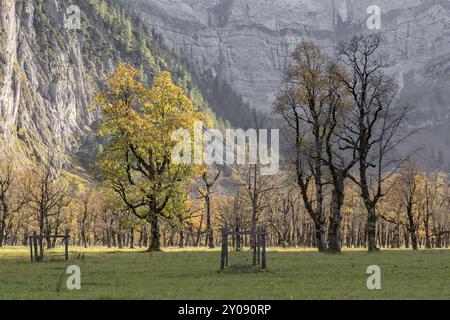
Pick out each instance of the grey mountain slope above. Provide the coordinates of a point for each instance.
(247, 42)
(49, 73)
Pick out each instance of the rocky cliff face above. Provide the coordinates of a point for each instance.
(44, 78)
(49, 73)
(247, 42)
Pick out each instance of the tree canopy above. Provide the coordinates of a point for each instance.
(136, 163)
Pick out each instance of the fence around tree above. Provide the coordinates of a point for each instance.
(37, 245)
(258, 246)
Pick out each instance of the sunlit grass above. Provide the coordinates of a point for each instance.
(193, 273)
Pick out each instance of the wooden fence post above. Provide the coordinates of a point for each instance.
(35, 244)
(41, 248)
(66, 245)
(222, 252)
(264, 262)
(226, 247)
(31, 248)
(258, 242)
(253, 244)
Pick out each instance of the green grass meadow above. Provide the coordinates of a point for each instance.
(194, 274)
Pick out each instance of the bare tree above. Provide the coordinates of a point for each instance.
(256, 185)
(85, 216)
(234, 213)
(373, 132)
(185, 217)
(408, 193)
(206, 191)
(283, 215)
(434, 202)
(47, 194)
(309, 103)
(11, 199)
(337, 159)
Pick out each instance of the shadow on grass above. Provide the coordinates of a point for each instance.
(242, 268)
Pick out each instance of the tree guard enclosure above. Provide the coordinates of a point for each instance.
(259, 240)
(37, 245)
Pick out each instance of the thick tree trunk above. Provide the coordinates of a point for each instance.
(414, 241)
(181, 239)
(371, 230)
(320, 233)
(132, 238)
(209, 231)
(427, 232)
(2, 232)
(413, 235)
(412, 228)
(334, 231)
(155, 241)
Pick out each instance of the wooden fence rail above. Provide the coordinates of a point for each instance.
(259, 240)
(37, 242)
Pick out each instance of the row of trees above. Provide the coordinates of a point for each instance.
(30, 198)
(45, 199)
(413, 214)
(344, 124)
(342, 185)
